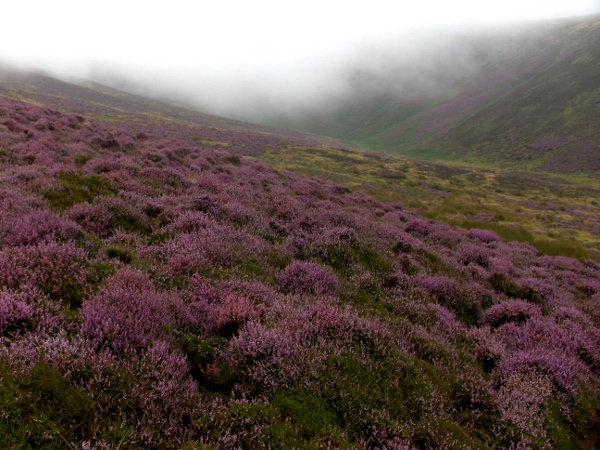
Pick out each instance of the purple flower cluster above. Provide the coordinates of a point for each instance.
(308, 278)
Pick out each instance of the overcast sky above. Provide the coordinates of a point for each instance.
(234, 45)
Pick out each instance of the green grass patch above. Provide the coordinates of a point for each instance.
(77, 189)
(42, 410)
(210, 143)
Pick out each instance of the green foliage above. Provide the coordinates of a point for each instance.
(152, 211)
(82, 158)
(128, 220)
(233, 160)
(562, 247)
(310, 414)
(42, 410)
(120, 254)
(201, 352)
(342, 256)
(77, 189)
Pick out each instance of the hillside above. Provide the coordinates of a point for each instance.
(143, 114)
(525, 98)
(159, 289)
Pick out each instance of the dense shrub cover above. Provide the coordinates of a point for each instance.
(159, 292)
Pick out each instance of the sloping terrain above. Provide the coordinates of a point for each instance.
(526, 100)
(161, 291)
(556, 214)
(143, 114)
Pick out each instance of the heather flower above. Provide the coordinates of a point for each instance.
(26, 229)
(564, 371)
(15, 313)
(511, 311)
(593, 265)
(446, 321)
(474, 254)
(419, 227)
(485, 236)
(302, 277)
(590, 287)
(520, 401)
(129, 314)
(234, 311)
(535, 290)
(93, 218)
(406, 243)
(57, 269)
(563, 313)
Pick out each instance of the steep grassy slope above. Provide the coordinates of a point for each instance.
(163, 293)
(526, 100)
(550, 121)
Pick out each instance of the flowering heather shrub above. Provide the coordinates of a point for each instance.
(167, 395)
(560, 263)
(420, 227)
(563, 313)
(275, 357)
(297, 343)
(474, 254)
(190, 222)
(405, 243)
(43, 124)
(302, 277)
(500, 265)
(164, 177)
(331, 216)
(239, 214)
(255, 291)
(129, 314)
(57, 269)
(341, 235)
(592, 308)
(453, 296)
(26, 229)
(485, 236)
(442, 234)
(234, 311)
(565, 372)
(208, 249)
(103, 165)
(15, 313)
(93, 218)
(512, 311)
(447, 322)
(488, 349)
(13, 126)
(593, 266)
(535, 290)
(520, 401)
(557, 334)
(107, 214)
(589, 287)
(522, 255)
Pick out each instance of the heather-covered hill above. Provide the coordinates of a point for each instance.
(158, 292)
(142, 114)
(524, 99)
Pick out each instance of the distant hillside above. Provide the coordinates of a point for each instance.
(143, 114)
(522, 99)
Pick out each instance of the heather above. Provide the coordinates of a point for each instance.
(164, 292)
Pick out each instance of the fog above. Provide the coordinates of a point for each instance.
(263, 59)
